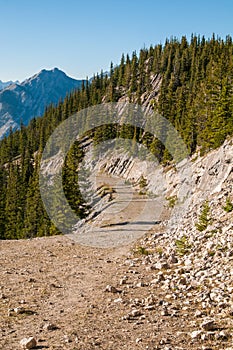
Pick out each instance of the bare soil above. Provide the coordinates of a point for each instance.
(58, 281)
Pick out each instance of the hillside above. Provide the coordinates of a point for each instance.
(188, 83)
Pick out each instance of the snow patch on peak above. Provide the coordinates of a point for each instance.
(4, 85)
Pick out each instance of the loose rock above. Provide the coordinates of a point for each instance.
(28, 343)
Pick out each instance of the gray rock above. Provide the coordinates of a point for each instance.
(162, 265)
(222, 335)
(209, 325)
(173, 259)
(49, 327)
(207, 336)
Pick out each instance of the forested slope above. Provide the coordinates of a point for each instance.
(195, 94)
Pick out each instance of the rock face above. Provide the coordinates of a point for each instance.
(22, 102)
(189, 183)
(182, 190)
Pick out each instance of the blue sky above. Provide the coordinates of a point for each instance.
(83, 37)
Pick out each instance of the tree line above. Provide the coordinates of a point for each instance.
(196, 96)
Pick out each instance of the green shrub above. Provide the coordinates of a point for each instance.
(211, 252)
(171, 201)
(204, 218)
(183, 246)
(142, 182)
(142, 251)
(142, 185)
(229, 205)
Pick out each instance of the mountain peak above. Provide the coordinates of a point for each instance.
(30, 98)
(56, 70)
(44, 72)
(53, 70)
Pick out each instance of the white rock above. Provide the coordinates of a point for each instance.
(28, 343)
(198, 313)
(138, 340)
(135, 313)
(162, 265)
(196, 334)
(188, 262)
(118, 300)
(111, 289)
(19, 310)
(123, 280)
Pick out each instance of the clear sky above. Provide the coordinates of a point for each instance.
(82, 37)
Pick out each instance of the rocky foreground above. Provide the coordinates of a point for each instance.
(172, 289)
(150, 297)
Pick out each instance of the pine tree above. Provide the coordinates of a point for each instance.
(36, 222)
(14, 208)
(2, 202)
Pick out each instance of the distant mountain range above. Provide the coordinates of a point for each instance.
(20, 102)
(3, 85)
